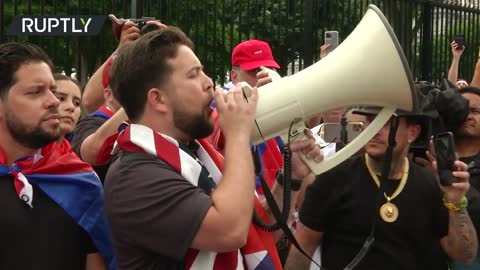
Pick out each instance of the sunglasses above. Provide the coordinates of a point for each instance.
(257, 70)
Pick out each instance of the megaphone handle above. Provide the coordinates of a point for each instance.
(351, 148)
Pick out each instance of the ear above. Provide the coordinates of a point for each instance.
(107, 94)
(234, 76)
(158, 100)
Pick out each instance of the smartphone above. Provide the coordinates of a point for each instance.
(444, 145)
(331, 132)
(331, 37)
(460, 40)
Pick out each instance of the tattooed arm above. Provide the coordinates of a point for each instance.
(308, 240)
(461, 242)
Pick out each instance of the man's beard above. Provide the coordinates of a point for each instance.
(194, 126)
(32, 138)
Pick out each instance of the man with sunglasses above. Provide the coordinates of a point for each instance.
(249, 58)
(253, 62)
(408, 210)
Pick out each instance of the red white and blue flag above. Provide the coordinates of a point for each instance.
(259, 253)
(103, 112)
(69, 182)
(270, 154)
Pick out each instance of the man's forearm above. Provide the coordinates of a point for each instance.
(92, 144)
(92, 96)
(453, 71)
(296, 260)
(462, 237)
(476, 75)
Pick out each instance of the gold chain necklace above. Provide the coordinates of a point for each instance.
(389, 211)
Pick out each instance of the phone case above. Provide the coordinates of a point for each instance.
(444, 145)
(331, 37)
(460, 40)
(331, 132)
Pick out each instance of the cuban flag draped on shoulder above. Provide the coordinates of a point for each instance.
(69, 182)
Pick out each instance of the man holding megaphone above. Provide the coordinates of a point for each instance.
(172, 201)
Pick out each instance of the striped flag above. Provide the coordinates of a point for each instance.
(259, 253)
(69, 182)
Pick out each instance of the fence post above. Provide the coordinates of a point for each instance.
(426, 57)
(308, 49)
(137, 8)
(2, 26)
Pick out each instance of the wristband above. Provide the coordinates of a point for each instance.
(296, 184)
(456, 207)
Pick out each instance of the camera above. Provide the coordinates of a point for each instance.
(142, 24)
(442, 109)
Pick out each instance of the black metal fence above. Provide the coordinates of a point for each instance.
(294, 28)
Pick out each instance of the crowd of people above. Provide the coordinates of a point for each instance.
(161, 173)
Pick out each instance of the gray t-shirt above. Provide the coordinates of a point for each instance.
(154, 213)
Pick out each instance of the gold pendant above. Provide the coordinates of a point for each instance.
(389, 212)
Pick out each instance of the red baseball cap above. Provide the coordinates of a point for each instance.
(106, 71)
(252, 54)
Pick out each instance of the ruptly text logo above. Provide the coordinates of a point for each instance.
(56, 25)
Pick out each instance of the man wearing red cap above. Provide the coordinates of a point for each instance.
(249, 60)
(253, 62)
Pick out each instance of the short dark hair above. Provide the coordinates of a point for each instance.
(470, 89)
(142, 65)
(15, 54)
(61, 77)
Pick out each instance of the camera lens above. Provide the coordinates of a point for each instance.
(328, 35)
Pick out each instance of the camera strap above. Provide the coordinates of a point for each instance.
(277, 214)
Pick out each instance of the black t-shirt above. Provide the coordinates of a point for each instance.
(86, 127)
(341, 204)
(154, 212)
(44, 237)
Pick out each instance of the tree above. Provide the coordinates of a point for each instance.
(294, 28)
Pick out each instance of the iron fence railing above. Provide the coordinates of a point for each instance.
(294, 28)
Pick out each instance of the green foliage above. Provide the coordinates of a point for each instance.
(70, 54)
(294, 29)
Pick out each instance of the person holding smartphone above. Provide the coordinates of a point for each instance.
(410, 213)
(467, 144)
(457, 51)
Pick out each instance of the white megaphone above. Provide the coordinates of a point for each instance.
(368, 68)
